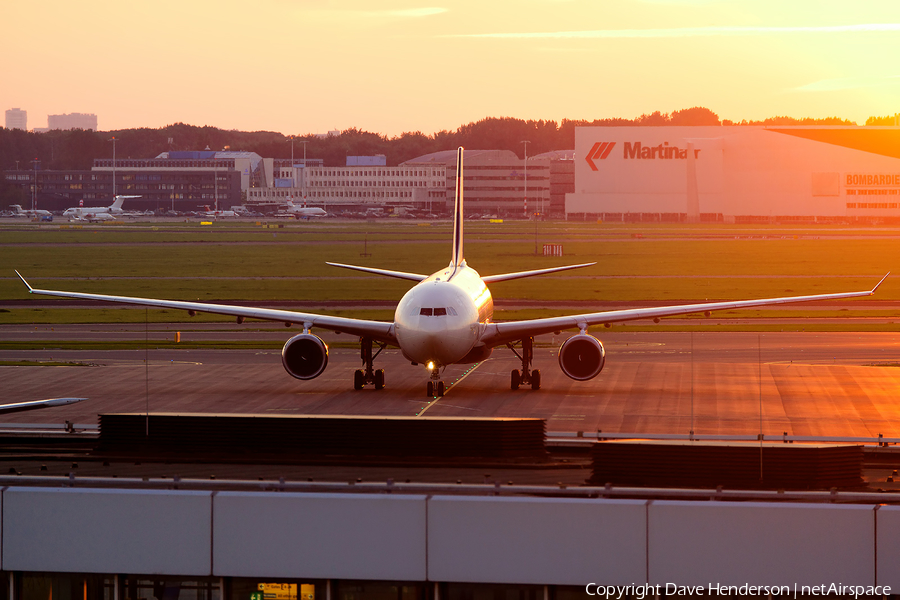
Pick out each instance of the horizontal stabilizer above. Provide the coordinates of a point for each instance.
(385, 272)
(523, 274)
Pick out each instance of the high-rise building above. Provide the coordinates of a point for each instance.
(72, 121)
(16, 118)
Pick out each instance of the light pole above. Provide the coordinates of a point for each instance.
(525, 204)
(216, 184)
(34, 187)
(303, 186)
(113, 140)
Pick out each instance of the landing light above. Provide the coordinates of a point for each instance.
(430, 366)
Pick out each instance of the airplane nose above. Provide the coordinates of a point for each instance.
(441, 345)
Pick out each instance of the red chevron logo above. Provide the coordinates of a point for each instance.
(599, 151)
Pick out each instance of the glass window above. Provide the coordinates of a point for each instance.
(63, 586)
(426, 312)
(252, 589)
(381, 590)
(440, 312)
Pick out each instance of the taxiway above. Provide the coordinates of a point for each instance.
(822, 384)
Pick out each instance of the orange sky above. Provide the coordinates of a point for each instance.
(308, 67)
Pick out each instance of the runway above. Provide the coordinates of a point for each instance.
(826, 384)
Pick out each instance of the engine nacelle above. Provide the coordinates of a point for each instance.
(582, 357)
(304, 356)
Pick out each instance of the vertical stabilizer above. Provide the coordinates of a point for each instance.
(117, 203)
(457, 258)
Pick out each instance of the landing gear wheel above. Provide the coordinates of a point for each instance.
(430, 389)
(527, 376)
(440, 389)
(368, 374)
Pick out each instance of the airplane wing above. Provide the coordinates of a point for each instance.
(397, 274)
(500, 333)
(35, 404)
(522, 274)
(377, 330)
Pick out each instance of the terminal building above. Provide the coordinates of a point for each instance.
(737, 174)
(355, 187)
(496, 182)
(64, 543)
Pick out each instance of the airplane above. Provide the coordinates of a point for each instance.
(303, 212)
(20, 212)
(115, 208)
(36, 404)
(88, 214)
(216, 213)
(446, 319)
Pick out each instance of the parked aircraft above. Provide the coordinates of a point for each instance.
(88, 214)
(36, 404)
(20, 212)
(302, 212)
(114, 209)
(446, 319)
(216, 213)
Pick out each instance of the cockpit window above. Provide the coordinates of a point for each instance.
(441, 311)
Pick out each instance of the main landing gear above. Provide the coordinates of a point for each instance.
(369, 375)
(527, 375)
(435, 387)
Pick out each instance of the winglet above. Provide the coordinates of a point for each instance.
(30, 289)
(879, 283)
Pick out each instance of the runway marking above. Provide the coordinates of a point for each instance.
(464, 375)
(567, 418)
(462, 407)
(153, 363)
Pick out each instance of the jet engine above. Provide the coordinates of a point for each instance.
(304, 356)
(581, 357)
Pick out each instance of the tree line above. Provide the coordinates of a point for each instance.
(77, 149)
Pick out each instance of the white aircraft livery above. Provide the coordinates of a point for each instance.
(20, 212)
(113, 209)
(446, 319)
(86, 214)
(303, 212)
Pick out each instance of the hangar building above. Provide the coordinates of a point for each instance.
(740, 174)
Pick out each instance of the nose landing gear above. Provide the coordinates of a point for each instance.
(527, 375)
(369, 375)
(435, 387)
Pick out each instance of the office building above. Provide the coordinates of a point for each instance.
(72, 121)
(16, 118)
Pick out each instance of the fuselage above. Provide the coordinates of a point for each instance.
(114, 209)
(76, 212)
(20, 212)
(440, 320)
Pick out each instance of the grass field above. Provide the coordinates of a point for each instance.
(243, 261)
